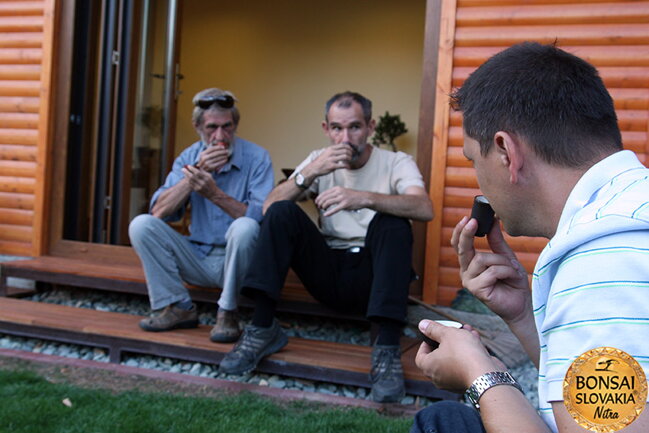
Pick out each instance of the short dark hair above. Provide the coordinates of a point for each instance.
(344, 100)
(554, 100)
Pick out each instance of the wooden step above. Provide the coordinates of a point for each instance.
(344, 364)
(129, 278)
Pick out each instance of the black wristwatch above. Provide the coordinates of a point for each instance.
(300, 181)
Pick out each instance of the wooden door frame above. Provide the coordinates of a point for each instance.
(58, 246)
(425, 136)
(54, 243)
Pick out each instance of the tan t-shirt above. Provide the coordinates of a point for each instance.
(385, 173)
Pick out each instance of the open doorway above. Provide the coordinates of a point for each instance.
(125, 80)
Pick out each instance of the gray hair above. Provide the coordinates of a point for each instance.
(197, 114)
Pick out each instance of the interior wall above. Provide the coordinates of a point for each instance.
(284, 59)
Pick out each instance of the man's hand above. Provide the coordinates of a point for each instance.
(338, 198)
(200, 181)
(213, 158)
(497, 279)
(459, 359)
(332, 158)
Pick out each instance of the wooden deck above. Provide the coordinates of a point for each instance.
(129, 278)
(344, 364)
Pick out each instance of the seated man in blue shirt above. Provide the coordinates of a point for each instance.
(225, 179)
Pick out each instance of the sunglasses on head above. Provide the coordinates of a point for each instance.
(223, 101)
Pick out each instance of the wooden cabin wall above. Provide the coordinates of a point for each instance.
(612, 35)
(25, 57)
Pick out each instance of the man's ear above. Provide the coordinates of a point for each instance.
(372, 126)
(509, 150)
(325, 126)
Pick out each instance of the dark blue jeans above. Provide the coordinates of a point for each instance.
(447, 417)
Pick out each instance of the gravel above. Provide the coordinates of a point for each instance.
(295, 326)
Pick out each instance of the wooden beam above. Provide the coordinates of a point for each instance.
(44, 162)
(440, 139)
(425, 132)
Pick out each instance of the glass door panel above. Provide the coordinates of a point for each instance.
(118, 138)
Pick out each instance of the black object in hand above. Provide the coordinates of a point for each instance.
(432, 343)
(483, 213)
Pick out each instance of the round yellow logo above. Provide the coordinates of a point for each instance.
(605, 390)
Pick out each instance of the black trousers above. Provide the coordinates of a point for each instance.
(447, 417)
(373, 282)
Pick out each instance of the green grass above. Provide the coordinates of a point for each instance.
(29, 403)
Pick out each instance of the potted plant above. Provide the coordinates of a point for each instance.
(387, 129)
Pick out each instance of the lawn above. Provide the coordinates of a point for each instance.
(32, 404)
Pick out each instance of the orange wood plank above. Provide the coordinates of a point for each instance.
(18, 56)
(15, 233)
(18, 217)
(16, 200)
(573, 34)
(12, 152)
(300, 351)
(19, 104)
(20, 72)
(18, 168)
(21, 24)
(19, 87)
(16, 184)
(598, 55)
(21, 8)
(19, 120)
(572, 13)
(21, 40)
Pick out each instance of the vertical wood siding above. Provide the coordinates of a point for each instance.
(24, 92)
(612, 35)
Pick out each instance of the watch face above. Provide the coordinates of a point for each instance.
(299, 180)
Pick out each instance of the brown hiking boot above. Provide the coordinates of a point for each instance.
(170, 317)
(226, 329)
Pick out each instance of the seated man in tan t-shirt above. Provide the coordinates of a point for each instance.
(360, 258)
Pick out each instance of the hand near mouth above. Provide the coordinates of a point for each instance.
(214, 157)
(332, 158)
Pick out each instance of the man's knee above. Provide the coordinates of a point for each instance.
(243, 230)
(388, 229)
(447, 416)
(390, 222)
(281, 210)
(142, 226)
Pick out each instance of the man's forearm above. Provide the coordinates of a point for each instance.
(230, 205)
(504, 409)
(417, 207)
(172, 199)
(525, 331)
(287, 190)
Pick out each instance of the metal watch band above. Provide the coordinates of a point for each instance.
(488, 380)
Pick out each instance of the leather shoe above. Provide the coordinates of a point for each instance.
(226, 329)
(171, 317)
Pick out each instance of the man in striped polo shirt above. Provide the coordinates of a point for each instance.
(541, 131)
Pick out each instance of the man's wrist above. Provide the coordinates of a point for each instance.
(487, 381)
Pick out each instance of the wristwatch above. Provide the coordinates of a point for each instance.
(486, 381)
(300, 181)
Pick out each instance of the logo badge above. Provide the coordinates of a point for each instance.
(605, 390)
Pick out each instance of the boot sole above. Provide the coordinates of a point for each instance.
(268, 351)
(386, 398)
(180, 325)
(224, 338)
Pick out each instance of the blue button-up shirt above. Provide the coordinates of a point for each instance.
(247, 177)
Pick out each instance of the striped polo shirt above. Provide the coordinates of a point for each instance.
(591, 282)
